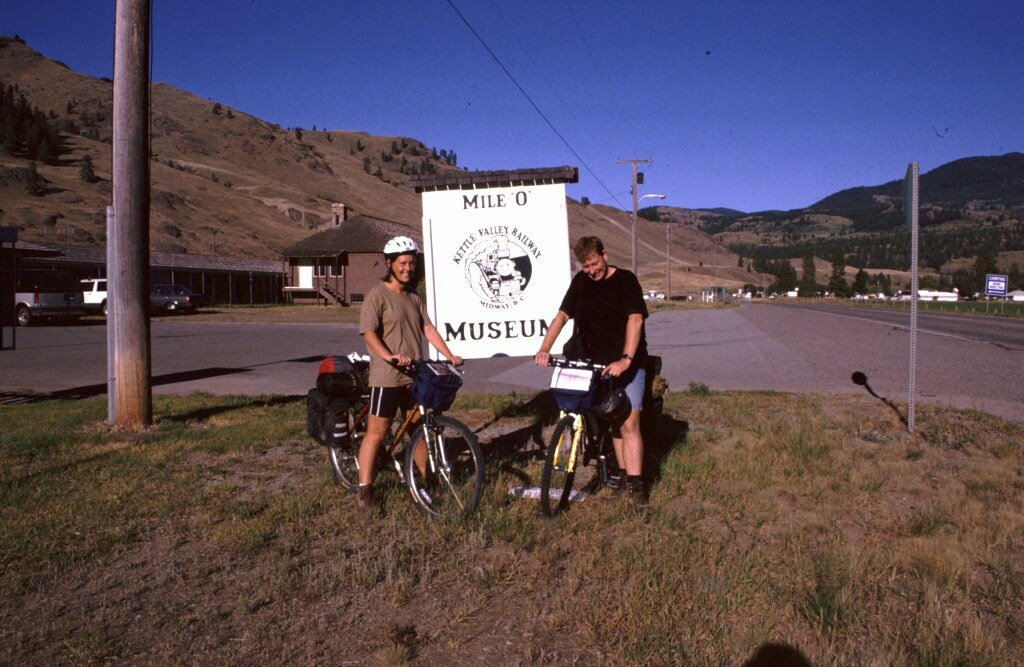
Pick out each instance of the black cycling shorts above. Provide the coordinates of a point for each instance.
(385, 400)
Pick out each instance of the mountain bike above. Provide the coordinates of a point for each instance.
(437, 458)
(582, 434)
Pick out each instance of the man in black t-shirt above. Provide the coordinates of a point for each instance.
(607, 306)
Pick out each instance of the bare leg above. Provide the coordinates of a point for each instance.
(630, 449)
(376, 427)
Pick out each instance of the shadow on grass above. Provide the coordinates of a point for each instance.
(861, 379)
(63, 467)
(201, 414)
(777, 655)
(513, 450)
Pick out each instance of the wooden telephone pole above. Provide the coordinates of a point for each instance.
(634, 162)
(131, 397)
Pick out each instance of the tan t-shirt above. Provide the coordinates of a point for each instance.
(399, 320)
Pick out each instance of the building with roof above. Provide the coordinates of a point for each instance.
(339, 265)
(225, 280)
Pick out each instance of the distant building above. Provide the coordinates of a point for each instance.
(936, 295)
(1015, 295)
(339, 265)
(225, 280)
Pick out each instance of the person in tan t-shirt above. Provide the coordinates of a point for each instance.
(392, 322)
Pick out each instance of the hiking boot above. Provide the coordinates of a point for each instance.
(616, 481)
(364, 497)
(638, 497)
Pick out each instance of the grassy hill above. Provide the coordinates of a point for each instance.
(965, 204)
(218, 172)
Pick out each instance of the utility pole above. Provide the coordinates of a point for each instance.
(634, 162)
(668, 266)
(128, 242)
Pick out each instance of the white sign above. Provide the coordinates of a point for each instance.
(497, 266)
(995, 284)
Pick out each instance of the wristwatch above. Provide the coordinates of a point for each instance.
(627, 356)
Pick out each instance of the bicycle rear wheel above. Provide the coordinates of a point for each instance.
(452, 477)
(559, 468)
(345, 456)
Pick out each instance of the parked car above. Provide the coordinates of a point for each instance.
(653, 294)
(47, 293)
(174, 298)
(94, 292)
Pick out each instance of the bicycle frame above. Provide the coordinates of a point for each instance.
(579, 439)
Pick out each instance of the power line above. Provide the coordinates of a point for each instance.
(532, 103)
(528, 53)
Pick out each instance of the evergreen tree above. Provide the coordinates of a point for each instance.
(585, 201)
(837, 283)
(860, 282)
(984, 264)
(298, 134)
(366, 165)
(85, 170)
(809, 279)
(35, 185)
(785, 277)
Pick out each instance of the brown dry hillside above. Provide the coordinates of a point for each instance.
(256, 187)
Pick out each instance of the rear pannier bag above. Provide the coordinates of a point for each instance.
(435, 386)
(326, 419)
(337, 376)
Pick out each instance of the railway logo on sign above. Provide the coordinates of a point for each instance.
(497, 267)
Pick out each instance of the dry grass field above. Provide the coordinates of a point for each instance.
(218, 535)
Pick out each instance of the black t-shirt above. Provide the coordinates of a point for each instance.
(601, 309)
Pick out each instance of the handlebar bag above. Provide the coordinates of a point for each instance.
(337, 376)
(435, 386)
(572, 388)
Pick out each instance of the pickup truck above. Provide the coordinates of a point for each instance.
(46, 294)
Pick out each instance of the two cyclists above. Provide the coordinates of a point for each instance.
(393, 323)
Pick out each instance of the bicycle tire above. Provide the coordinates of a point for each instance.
(345, 458)
(559, 471)
(453, 481)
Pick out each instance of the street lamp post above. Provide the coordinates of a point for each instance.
(636, 202)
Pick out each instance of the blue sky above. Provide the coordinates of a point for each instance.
(795, 100)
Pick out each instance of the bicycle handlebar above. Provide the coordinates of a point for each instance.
(415, 364)
(582, 364)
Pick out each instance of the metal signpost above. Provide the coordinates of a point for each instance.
(995, 285)
(910, 210)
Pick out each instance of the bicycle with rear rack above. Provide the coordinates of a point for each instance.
(582, 434)
(437, 457)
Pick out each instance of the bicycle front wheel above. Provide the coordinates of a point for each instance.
(444, 469)
(345, 456)
(559, 468)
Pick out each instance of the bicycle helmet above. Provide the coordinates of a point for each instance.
(400, 245)
(614, 405)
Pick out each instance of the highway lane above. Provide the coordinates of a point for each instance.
(1005, 332)
(965, 362)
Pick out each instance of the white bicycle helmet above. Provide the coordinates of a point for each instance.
(400, 245)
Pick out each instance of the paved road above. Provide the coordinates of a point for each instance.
(963, 361)
(1006, 333)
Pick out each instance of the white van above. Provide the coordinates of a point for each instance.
(47, 293)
